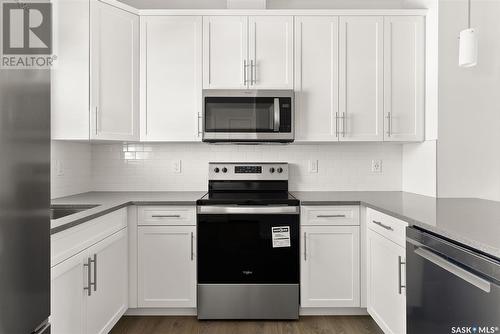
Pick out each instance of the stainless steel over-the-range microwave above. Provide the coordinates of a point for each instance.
(248, 116)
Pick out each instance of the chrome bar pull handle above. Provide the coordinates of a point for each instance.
(400, 274)
(389, 124)
(331, 216)
(96, 120)
(192, 246)
(200, 118)
(336, 124)
(253, 74)
(166, 216)
(387, 227)
(94, 261)
(245, 70)
(88, 288)
(305, 246)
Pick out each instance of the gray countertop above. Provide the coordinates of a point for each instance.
(472, 222)
(110, 201)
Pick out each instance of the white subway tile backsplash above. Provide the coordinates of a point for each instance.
(148, 167)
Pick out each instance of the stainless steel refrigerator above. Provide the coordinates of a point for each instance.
(24, 201)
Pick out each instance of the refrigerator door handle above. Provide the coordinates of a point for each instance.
(454, 269)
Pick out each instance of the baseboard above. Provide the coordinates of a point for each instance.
(306, 311)
(161, 311)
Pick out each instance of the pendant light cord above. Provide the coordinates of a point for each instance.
(468, 21)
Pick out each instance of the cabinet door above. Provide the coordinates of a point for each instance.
(70, 76)
(330, 266)
(271, 52)
(361, 78)
(67, 301)
(115, 73)
(316, 78)
(404, 86)
(167, 266)
(171, 77)
(225, 52)
(109, 299)
(386, 301)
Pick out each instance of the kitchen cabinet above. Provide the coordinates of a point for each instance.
(330, 256)
(75, 309)
(404, 78)
(171, 78)
(114, 73)
(386, 296)
(330, 266)
(167, 266)
(361, 97)
(254, 52)
(316, 78)
(70, 77)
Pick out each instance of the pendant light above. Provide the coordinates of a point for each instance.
(467, 55)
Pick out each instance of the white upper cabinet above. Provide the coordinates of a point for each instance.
(225, 52)
(114, 73)
(271, 52)
(241, 52)
(316, 78)
(404, 78)
(361, 78)
(171, 77)
(70, 75)
(330, 273)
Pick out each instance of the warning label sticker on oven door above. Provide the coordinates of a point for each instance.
(281, 236)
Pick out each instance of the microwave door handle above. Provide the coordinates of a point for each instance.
(277, 120)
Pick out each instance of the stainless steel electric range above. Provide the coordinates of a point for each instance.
(248, 243)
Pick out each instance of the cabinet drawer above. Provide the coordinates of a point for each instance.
(330, 215)
(167, 215)
(388, 226)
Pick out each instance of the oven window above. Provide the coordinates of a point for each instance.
(239, 114)
(239, 249)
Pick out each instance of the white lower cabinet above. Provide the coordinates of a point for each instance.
(166, 266)
(75, 309)
(386, 295)
(330, 272)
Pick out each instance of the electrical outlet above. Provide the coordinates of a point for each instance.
(376, 166)
(177, 166)
(313, 166)
(59, 168)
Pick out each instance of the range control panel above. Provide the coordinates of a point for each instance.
(248, 171)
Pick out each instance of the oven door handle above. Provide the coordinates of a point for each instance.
(454, 269)
(255, 210)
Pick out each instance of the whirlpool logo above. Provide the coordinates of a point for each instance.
(474, 329)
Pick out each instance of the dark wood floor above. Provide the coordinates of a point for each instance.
(190, 325)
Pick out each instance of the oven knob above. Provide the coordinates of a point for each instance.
(216, 169)
(280, 170)
(224, 170)
(271, 170)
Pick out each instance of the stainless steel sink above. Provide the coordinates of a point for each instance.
(59, 211)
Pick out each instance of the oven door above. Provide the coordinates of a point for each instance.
(236, 245)
(247, 116)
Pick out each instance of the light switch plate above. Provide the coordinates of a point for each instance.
(177, 166)
(313, 166)
(376, 166)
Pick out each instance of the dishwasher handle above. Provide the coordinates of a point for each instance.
(452, 268)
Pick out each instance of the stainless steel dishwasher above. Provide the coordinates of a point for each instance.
(450, 288)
